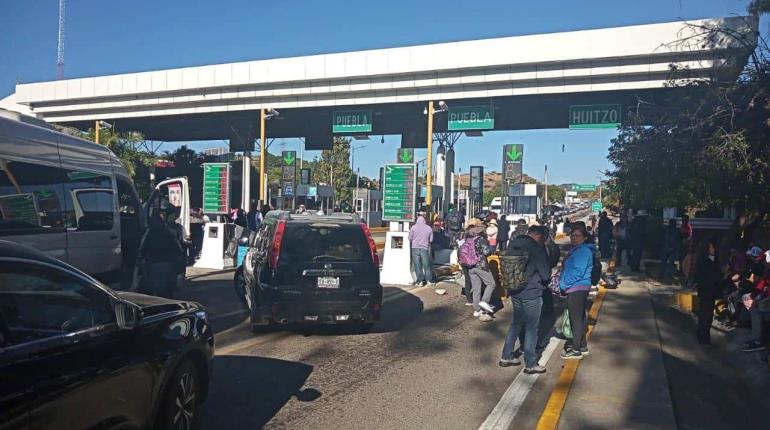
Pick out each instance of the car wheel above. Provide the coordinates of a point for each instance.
(180, 403)
(239, 284)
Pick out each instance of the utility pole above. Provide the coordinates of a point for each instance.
(546, 185)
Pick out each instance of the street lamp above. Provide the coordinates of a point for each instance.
(430, 111)
(353, 169)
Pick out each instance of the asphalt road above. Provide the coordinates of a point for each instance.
(427, 364)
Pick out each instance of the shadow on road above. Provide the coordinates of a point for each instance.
(248, 391)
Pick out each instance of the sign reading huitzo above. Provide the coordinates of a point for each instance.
(216, 188)
(594, 116)
(355, 121)
(471, 118)
(399, 192)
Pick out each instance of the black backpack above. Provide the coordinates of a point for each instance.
(596, 270)
(513, 267)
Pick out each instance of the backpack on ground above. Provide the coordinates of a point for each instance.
(596, 270)
(453, 221)
(513, 268)
(467, 254)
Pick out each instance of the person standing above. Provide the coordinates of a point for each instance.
(528, 301)
(686, 229)
(503, 233)
(605, 235)
(708, 279)
(492, 233)
(254, 217)
(672, 242)
(474, 228)
(240, 219)
(620, 232)
(575, 281)
(454, 226)
(421, 236)
(473, 257)
(521, 228)
(162, 252)
(637, 236)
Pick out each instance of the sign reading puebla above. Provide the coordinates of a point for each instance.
(594, 116)
(471, 118)
(354, 121)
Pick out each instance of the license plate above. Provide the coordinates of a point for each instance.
(328, 282)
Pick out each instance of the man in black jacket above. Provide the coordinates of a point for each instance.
(503, 232)
(528, 302)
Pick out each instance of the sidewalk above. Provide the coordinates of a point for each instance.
(623, 383)
(647, 371)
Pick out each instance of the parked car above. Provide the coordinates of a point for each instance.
(75, 354)
(312, 269)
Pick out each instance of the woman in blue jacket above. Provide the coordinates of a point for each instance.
(575, 281)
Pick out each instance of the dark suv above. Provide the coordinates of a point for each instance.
(312, 269)
(76, 354)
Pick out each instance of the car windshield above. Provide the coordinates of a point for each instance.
(324, 242)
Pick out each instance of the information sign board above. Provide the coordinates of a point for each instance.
(596, 206)
(355, 121)
(594, 116)
(216, 188)
(400, 190)
(513, 159)
(471, 118)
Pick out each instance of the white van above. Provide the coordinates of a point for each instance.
(72, 198)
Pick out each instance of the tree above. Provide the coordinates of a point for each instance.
(556, 194)
(333, 168)
(704, 147)
(125, 145)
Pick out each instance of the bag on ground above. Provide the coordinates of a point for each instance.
(513, 268)
(467, 255)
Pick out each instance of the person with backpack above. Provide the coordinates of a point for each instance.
(525, 272)
(473, 257)
(575, 282)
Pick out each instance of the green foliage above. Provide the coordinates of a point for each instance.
(556, 194)
(490, 195)
(706, 145)
(333, 168)
(127, 147)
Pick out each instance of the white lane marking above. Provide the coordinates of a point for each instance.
(503, 414)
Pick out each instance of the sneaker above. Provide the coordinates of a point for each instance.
(571, 355)
(485, 318)
(487, 307)
(468, 303)
(753, 346)
(584, 352)
(477, 314)
(534, 369)
(504, 362)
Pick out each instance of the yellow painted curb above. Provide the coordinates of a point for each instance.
(687, 300)
(378, 229)
(558, 398)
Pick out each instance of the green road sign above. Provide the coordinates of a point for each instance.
(594, 116)
(289, 157)
(596, 206)
(471, 118)
(216, 188)
(513, 156)
(354, 121)
(584, 187)
(399, 192)
(405, 155)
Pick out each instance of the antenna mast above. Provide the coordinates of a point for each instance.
(60, 50)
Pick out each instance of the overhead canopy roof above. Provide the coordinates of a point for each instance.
(208, 102)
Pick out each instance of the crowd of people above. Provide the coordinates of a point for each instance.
(527, 255)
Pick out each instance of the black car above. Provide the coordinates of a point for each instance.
(75, 354)
(312, 269)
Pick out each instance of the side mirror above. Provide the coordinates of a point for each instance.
(243, 241)
(128, 315)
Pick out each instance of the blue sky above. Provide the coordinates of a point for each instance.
(109, 37)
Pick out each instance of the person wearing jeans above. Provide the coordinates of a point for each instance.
(421, 236)
(575, 281)
(528, 301)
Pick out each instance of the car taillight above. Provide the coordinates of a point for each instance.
(372, 246)
(277, 239)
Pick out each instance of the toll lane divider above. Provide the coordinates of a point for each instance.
(553, 408)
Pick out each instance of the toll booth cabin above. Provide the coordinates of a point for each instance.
(368, 204)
